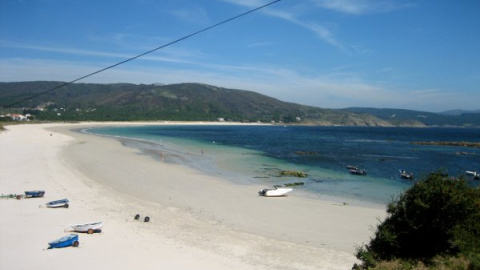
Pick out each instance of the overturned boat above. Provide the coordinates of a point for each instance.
(58, 203)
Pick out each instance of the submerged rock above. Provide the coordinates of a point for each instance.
(293, 173)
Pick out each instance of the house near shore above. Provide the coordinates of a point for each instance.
(17, 117)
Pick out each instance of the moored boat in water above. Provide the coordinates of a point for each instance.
(406, 175)
(358, 171)
(472, 173)
(475, 174)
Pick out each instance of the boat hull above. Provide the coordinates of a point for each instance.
(58, 203)
(87, 227)
(65, 241)
(34, 193)
(471, 173)
(406, 175)
(358, 172)
(278, 192)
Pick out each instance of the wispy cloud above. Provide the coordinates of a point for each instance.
(246, 3)
(359, 7)
(7, 44)
(322, 31)
(260, 44)
(195, 15)
(175, 55)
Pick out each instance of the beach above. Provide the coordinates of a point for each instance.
(197, 221)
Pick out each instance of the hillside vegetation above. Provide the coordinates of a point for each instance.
(433, 225)
(196, 102)
(187, 101)
(399, 117)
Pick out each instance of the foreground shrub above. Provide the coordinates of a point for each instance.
(435, 217)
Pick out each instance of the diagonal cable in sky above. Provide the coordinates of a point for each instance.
(143, 54)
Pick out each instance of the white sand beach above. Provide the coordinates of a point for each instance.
(197, 221)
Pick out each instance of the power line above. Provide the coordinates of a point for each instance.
(145, 53)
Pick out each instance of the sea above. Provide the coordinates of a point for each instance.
(256, 154)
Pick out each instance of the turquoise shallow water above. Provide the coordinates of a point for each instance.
(256, 154)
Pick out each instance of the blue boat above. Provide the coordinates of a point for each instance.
(34, 193)
(58, 203)
(65, 241)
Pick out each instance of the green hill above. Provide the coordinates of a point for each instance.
(399, 117)
(186, 101)
(197, 102)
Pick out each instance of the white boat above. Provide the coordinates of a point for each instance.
(275, 192)
(87, 227)
(476, 175)
(58, 203)
(406, 175)
(471, 173)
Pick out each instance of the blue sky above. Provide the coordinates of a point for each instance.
(409, 54)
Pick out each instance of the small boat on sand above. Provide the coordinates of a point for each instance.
(34, 193)
(58, 203)
(89, 228)
(277, 191)
(65, 241)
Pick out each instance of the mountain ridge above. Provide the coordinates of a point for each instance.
(185, 102)
(402, 117)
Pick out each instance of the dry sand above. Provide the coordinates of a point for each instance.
(196, 221)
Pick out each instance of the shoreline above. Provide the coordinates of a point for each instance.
(233, 164)
(227, 224)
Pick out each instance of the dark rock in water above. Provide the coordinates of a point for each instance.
(311, 153)
(293, 173)
(461, 144)
(294, 184)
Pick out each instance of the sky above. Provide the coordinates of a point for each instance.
(406, 54)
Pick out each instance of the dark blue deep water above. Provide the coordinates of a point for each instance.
(255, 154)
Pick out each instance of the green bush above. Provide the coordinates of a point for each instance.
(436, 216)
(474, 262)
